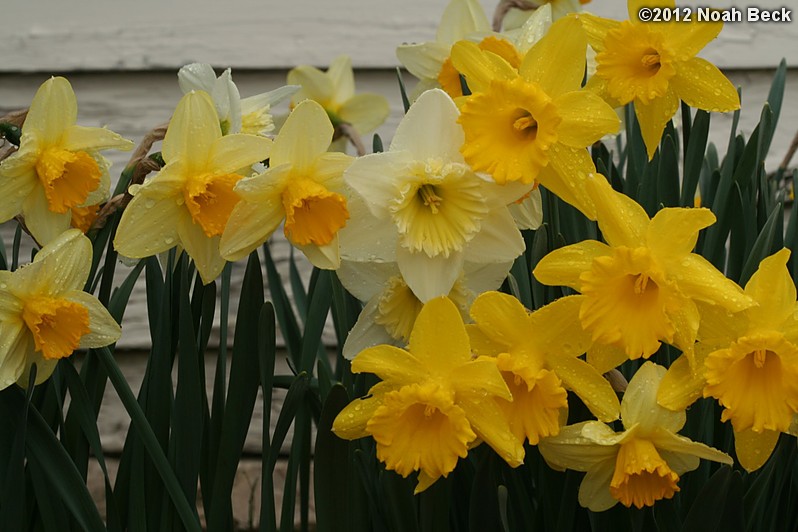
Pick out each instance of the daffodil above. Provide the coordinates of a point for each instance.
(429, 212)
(640, 288)
(749, 362)
(533, 124)
(303, 186)
(434, 400)
(638, 466)
(58, 169)
(236, 115)
(189, 201)
(44, 313)
(654, 65)
(334, 90)
(391, 307)
(538, 355)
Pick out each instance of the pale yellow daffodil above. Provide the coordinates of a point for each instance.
(538, 355)
(334, 90)
(45, 314)
(533, 124)
(433, 402)
(638, 466)
(654, 65)
(424, 208)
(58, 175)
(749, 362)
(190, 200)
(250, 115)
(640, 289)
(303, 185)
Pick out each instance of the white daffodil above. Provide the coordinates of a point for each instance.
(236, 115)
(391, 307)
(430, 213)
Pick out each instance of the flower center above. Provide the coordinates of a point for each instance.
(439, 209)
(509, 129)
(641, 475)
(756, 380)
(636, 63)
(210, 200)
(257, 122)
(313, 214)
(624, 305)
(67, 177)
(57, 325)
(418, 427)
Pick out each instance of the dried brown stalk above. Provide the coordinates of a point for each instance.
(350, 133)
(505, 6)
(616, 380)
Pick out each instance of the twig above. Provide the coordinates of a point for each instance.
(15, 117)
(790, 152)
(349, 132)
(140, 166)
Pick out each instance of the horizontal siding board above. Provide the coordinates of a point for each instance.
(49, 35)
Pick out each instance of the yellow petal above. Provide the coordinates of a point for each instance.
(103, 328)
(557, 331)
(772, 287)
(439, 339)
(673, 232)
(622, 221)
(568, 170)
(719, 327)
(315, 84)
(653, 117)
(502, 318)
(689, 38)
(304, 136)
(250, 225)
(699, 279)
(391, 364)
(606, 357)
(563, 266)
(701, 85)
(639, 405)
(490, 425)
(594, 491)
(557, 61)
(478, 377)
(589, 385)
(682, 386)
(18, 179)
(350, 423)
(685, 318)
(460, 19)
(754, 448)
(202, 249)
(366, 112)
(600, 87)
(65, 262)
(570, 449)
(44, 224)
(148, 226)
(342, 78)
(192, 131)
(80, 138)
(14, 350)
(53, 110)
(479, 67)
(596, 29)
(231, 153)
(585, 119)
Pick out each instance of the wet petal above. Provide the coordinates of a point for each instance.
(366, 112)
(104, 329)
(673, 232)
(586, 118)
(701, 85)
(423, 60)
(653, 117)
(772, 287)
(305, 135)
(563, 266)
(490, 425)
(589, 385)
(754, 448)
(192, 131)
(639, 405)
(557, 61)
(54, 108)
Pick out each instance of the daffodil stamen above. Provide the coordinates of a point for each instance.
(68, 177)
(210, 200)
(313, 214)
(641, 476)
(57, 325)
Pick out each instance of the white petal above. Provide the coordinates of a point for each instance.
(366, 238)
(342, 78)
(461, 18)
(366, 332)
(430, 130)
(377, 178)
(364, 280)
(429, 277)
(423, 60)
(196, 76)
(481, 277)
(267, 99)
(499, 240)
(326, 257)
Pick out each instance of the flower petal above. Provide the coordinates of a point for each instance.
(324, 257)
(148, 226)
(673, 232)
(594, 491)
(350, 424)
(623, 222)
(570, 449)
(391, 364)
(439, 339)
(476, 378)
(423, 60)
(316, 85)
(104, 329)
(13, 351)
(460, 19)
(374, 177)
(754, 448)
(639, 405)
(479, 67)
(65, 262)
(192, 131)
(701, 85)
(586, 118)
(667, 440)
(54, 108)
(682, 385)
(502, 318)
(366, 112)
(772, 287)
(563, 266)
(430, 130)
(566, 174)
(429, 277)
(490, 425)
(43, 224)
(699, 279)
(367, 238)
(342, 78)
(480, 278)
(596, 29)
(196, 76)
(231, 153)
(557, 61)
(653, 117)
(203, 249)
(305, 135)
(499, 239)
(366, 332)
(606, 357)
(689, 38)
(80, 138)
(589, 385)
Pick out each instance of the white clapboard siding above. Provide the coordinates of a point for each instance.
(52, 35)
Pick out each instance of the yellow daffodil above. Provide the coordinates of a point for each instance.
(236, 115)
(533, 125)
(44, 313)
(654, 65)
(538, 355)
(334, 90)
(638, 466)
(425, 209)
(303, 186)
(433, 402)
(57, 174)
(641, 288)
(189, 201)
(749, 362)
(391, 307)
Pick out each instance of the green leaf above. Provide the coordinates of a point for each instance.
(711, 502)
(763, 247)
(402, 90)
(320, 300)
(267, 352)
(332, 473)
(668, 173)
(694, 158)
